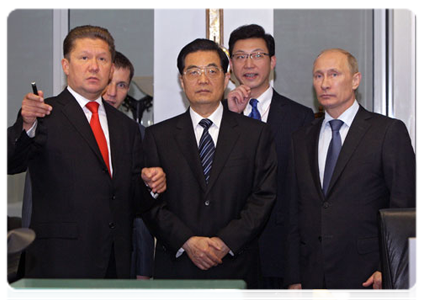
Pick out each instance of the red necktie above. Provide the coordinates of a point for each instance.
(98, 132)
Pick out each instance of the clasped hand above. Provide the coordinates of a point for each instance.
(205, 252)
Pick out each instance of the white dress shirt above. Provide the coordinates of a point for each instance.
(326, 134)
(101, 115)
(215, 117)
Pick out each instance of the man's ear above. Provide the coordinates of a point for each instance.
(65, 66)
(356, 80)
(182, 82)
(273, 62)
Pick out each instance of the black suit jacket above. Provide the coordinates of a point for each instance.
(79, 211)
(285, 117)
(233, 206)
(335, 238)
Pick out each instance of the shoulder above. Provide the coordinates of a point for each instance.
(283, 100)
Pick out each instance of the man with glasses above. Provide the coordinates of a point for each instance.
(221, 178)
(252, 61)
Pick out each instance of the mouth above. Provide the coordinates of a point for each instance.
(202, 91)
(250, 76)
(326, 96)
(95, 79)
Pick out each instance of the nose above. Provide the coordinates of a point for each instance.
(249, 62)
(203, 77)
(111, 90)
(325, 83)
(94, 66)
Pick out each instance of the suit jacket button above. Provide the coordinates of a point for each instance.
(207, 203)
(111, 225)
(326, 204)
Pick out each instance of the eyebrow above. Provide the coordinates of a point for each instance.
(209, 65)
(255, 50)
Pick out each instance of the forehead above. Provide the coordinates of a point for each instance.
(89, 44)
(250, 45)
(202, 58)
(331, 60)
(121, 74)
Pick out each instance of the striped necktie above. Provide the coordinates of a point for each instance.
(206, 148)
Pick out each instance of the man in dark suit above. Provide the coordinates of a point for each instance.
(345, 167)
(207, 223)
(86, 183)
(253, 59)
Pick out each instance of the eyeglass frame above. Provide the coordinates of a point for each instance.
(249, 55)
(202, 71)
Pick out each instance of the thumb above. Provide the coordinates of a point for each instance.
(41, 94)
(369, 282)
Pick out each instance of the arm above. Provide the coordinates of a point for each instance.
(399, 166)
(18, 142)
(164, 224)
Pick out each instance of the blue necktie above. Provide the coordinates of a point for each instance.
(333, 153)
(255, 114)
(206, 148)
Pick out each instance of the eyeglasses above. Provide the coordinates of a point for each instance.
(211, 72)
(242, 57)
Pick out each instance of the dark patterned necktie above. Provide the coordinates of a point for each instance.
(333, 153)
(255, 114)
(206, 148)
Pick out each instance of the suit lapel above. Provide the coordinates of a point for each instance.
(277, 113)
(73, 112)
(185, 138)
(228, 136)
(356, 133)
(312, 139)
(114, 137)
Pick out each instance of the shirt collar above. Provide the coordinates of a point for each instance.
(82, 101)
(347, 116)
(263, 101)
(215, 117)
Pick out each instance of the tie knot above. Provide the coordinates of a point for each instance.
(336, 124)
(205, 123)
(92, 106)
(253, 102)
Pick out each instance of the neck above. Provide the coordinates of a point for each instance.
(205, 110)
(257, 92)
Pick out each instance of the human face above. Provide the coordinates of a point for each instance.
(334, 83)
(89, 67)
(204, 93)
(253, 73)
(118, 87)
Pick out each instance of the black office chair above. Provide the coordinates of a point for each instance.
(396, 226)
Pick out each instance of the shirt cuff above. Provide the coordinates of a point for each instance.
(31, 131)
(180, 252)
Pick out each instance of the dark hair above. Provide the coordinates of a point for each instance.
(87, 31)
(122, 62)
(202, 45)
(251, 31)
